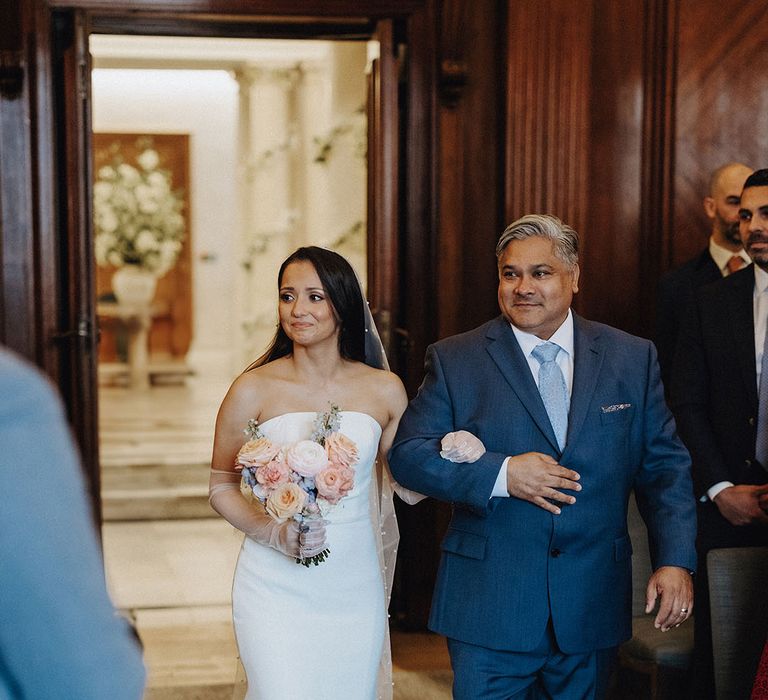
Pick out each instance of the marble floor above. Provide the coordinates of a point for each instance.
(169, 559)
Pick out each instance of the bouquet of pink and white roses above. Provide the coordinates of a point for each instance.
(301, 480)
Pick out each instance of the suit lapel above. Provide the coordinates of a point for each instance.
(706, 269)
(508, 357)
(588, 358)
(740, 312)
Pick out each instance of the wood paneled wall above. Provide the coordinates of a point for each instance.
(574, 136)
(616, 115)
(721, 111)
(471, 105)
(547, 101)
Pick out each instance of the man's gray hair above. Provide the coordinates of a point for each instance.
(563, 237)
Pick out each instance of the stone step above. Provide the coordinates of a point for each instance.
(155, 492)
(157, 504)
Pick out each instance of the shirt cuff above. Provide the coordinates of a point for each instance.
(500, 487)
(712, 491)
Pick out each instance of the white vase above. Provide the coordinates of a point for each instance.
(133, 286)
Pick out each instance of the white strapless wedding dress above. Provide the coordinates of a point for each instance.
(316, 632)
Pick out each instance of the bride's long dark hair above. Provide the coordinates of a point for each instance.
(340, 284)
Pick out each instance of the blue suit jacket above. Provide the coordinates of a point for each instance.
(507, 565)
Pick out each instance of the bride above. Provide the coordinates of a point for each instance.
(315, 631)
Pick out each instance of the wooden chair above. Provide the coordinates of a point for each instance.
(664, 658)
(738, 601)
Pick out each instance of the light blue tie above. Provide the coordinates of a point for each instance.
(553, 390)
(761, 444)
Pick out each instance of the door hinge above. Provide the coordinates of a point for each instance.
(84, 329)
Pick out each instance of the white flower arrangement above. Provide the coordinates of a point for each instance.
(137, 216)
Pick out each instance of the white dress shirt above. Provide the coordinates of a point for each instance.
(563, 337)
(760, 315)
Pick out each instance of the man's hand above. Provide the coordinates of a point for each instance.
(740, 505)
(675, 587)
(535, 477)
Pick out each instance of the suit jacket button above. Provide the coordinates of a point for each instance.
(751, 421)
(555, 553)
(748, 462)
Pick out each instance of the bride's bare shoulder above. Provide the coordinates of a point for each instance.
(385, 385)
(253, 386)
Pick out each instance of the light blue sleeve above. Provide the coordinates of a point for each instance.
(60, 636)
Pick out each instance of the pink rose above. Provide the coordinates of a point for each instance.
(285, 501)
(341, 450)
(334, 483)
(256, 453)
(273, 474)
(306, 458)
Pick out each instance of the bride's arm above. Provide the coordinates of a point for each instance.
(224, 492)
(397, 401)
(459, 446)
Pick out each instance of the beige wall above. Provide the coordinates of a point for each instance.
(256, 191)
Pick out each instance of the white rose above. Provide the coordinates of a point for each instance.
(148, 159)
(145, 242)
(102, 190)
(103, 245)
(107, 220)
(306, 458)
(158, 181)
(146, 200)
(128, 173)
(115, 258)
(175, 223)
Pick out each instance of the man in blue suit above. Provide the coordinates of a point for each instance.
(534, 586)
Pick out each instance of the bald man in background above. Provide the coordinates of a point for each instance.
(721, 257)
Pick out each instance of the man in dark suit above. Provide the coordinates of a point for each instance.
(724, 254)
(719, 371)
(534, 588)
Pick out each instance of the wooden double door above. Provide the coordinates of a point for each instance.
(63, 331)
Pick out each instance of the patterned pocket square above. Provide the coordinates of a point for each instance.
(615, 407)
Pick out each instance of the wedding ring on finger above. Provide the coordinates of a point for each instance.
(683, 610)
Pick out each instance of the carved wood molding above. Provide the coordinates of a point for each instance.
(454, 74)
(658, 136)
(453, 80)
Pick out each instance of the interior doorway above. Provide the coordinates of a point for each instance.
(263, 145)
(257, 146)
(400, 219)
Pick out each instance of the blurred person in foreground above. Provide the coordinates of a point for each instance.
(60, 636)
